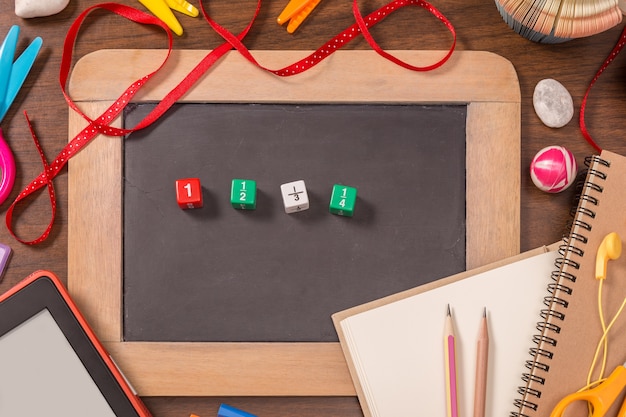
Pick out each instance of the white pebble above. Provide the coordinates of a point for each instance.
(553, 103)
(39, 8)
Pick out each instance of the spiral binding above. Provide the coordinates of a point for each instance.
(572, 248)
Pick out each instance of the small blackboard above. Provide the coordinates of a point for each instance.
(218, 274)
(189, 256)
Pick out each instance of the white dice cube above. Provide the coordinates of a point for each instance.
(295, 197)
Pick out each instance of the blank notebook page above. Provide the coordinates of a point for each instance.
(398, 348)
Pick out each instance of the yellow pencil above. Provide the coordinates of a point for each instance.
(450, 366)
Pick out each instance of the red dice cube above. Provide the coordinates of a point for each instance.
(189, 193)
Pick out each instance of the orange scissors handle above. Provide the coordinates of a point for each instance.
(600, 397)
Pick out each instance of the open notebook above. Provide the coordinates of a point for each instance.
(394, 346)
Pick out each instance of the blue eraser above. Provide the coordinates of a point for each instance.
(226, 410)
(5, 254)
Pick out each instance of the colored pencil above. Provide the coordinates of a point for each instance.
(450, 367)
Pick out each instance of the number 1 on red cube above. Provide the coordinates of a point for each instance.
(189, 193)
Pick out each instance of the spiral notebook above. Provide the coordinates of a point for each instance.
(563, 349)
(394, 346)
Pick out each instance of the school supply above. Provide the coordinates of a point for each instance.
(393, 346)
(163, 10)
(7, 169)
(600, 394)
(5, 255)
(601, 397)
(226, 410)
(317, 373)
(452, 400)
(571, 323)
(13, 74)
(12, 77)
(482, 367)
(295, 12)
(51, 361)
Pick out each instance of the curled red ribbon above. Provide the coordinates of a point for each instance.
(101, 125)
(583, 127)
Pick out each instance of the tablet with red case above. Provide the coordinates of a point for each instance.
(51, 362)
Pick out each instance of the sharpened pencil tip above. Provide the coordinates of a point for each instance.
(449, 314)
(485, 312)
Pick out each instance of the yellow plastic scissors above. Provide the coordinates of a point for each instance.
(600, 397)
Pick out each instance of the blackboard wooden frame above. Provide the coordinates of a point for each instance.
(485, 82)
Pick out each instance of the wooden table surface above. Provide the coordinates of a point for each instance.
(479, 27)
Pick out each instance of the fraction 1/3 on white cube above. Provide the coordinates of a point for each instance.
(295, 197)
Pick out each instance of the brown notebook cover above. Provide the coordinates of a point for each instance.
(569, 328)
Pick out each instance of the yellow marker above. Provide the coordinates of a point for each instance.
(295, 12)
(610, 248)
(163, 10)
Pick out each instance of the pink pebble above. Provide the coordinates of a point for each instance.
(553, 169)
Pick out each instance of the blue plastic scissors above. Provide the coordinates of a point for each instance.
(600, 397)
(12, 76)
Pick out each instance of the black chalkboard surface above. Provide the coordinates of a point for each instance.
(219, 274)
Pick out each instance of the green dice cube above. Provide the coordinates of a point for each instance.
(342, 200)
(243, 194)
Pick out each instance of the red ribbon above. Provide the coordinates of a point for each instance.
(101, 125)
(616, 50)
(361, 27)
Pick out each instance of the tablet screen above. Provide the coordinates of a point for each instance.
(51, 362)
(43, 376)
